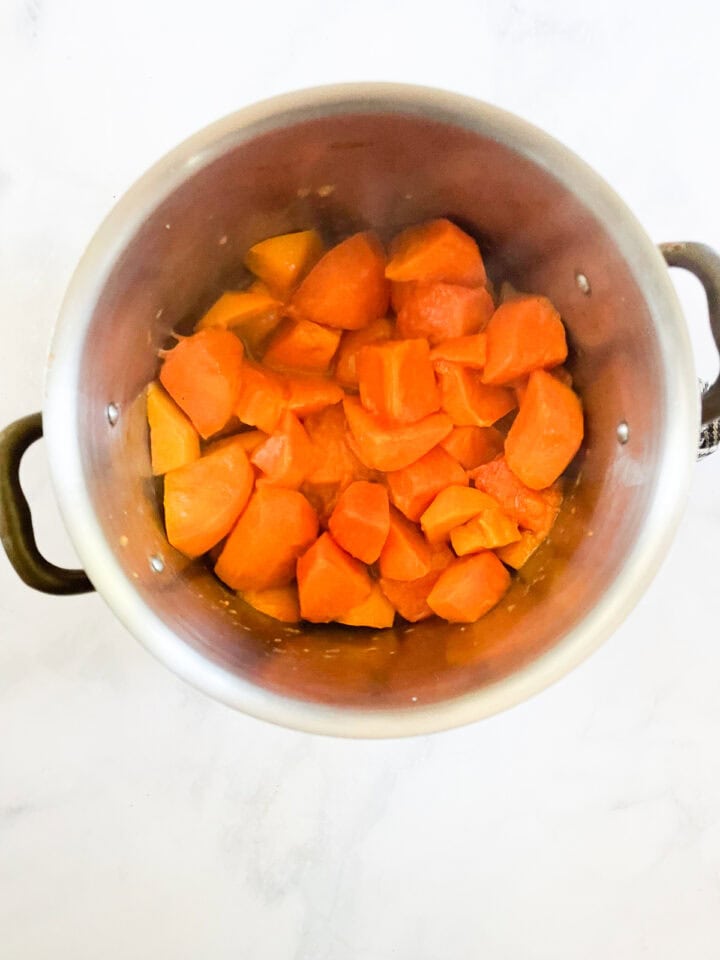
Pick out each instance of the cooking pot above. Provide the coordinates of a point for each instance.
(342, 159)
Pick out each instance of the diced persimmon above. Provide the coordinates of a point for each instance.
(547, 432)
(350, 345)
(376, 611)
(517, 554)
(274, 529)
(250, 440)
(530, 509)
(382, 444)
(413, 488)
(472, 446)
(302, 345)
(489, 529)
(396, 380)
(281, 262)
(521, 384)
(468, 351)
(255, 332)
(262, 397)
(468, 588)
(203, 374)
(312, 394)
(257, 286)
(335, 462)
(361, 520)
(346, 288)
(523, 335)
(399, 293)
(331, 583)
(436, 250)
(406, 554)
(204, 498)
(443, 311)
(173, 439)
(236, 308)
(452, 507)
(409, 597)
(385, 473)
(467, 400)
(280, 603)
(287, 456)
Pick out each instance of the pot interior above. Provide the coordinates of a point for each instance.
(341, 173)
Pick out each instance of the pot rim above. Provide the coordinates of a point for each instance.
(675, 461)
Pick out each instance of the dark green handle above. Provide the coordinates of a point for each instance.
(16, 529)
(705, 264)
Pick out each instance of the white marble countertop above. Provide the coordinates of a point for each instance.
(138, 819)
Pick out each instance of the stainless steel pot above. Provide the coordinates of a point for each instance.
(341, 159)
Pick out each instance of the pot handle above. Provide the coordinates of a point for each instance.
(702, 261)
(16, 529)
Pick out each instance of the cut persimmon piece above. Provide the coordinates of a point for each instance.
(361, 520)
(335, 463)
(382, 444)
(409, 597)
(287, 456)
(488, 530)
(547, 432)
(262, 397)
(406, 554)
(174, 440)
(453, 506)
(396, 380)
(467, 400)
(469, 351)
(472, 446)
(517, 554)
(399, 293)
(281, 262)
(530, 509)
(331, 583)
(436, 250)
(308, 395)
(521, 384)
(250, 440)
(302, 345)
(346, 288)
(413, 488)
(203, 375)
(203, 499)
(239, 307)
(274, 529)
(376, 611)
(350, 345)
(443, 311)
(280, 603)
(524, 334)
(468, 588)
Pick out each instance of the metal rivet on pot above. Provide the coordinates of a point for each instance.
(623, 432)
(583, 283)
(157, 564)
(112, 412)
